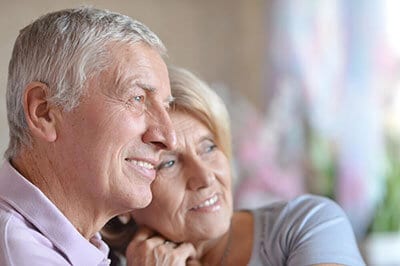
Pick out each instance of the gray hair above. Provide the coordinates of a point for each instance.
(64, 49)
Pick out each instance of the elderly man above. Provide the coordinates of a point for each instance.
(87, 99)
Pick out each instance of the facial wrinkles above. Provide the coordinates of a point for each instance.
(207, 166)
(174, 218)
(119, 88)
(170, 191)
(115, 111)
(189, 139)
(218, 164)
(116, 116)
(120, 84)
(172, 200)
(140, 65)
(156, 103)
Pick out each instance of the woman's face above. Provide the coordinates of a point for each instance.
(192, 198)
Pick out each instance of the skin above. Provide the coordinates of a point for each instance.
(196, 171)
(86, 160)
(187, 176)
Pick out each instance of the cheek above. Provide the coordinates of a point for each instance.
(119, 121)
(223, 171)
(163, 204)
(113, 116)
(166, 196)
(117, 129)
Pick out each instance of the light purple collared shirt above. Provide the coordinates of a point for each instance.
(34, 232)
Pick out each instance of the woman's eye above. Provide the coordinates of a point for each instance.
(211, 148)
(166, 164)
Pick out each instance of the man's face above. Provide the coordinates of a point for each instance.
(111, 142)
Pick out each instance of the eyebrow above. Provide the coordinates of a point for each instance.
(209, 137)
(168, 101)
(123, 83)
(145, 86)
(130, 82)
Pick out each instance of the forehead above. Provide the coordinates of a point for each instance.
(138, 64)
(188, 127)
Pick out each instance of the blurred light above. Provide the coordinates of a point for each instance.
(391, 14)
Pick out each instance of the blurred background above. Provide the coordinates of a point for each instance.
(313, 88)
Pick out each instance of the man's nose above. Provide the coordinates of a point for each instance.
(160, 132)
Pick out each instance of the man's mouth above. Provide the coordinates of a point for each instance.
(143, 164)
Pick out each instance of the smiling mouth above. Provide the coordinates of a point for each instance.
(210, 202)
(141, 164)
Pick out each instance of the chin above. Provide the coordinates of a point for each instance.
(213, 232)
(141, 199)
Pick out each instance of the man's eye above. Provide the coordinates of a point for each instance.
(139, 98)
(137, 103)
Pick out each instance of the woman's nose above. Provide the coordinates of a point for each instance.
(200, 176)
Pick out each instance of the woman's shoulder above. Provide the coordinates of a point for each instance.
(306, 206)
(306, 213)
(304, 226)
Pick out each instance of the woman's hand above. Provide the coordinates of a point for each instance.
(149, 249)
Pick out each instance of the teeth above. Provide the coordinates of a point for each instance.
(207, 203)
(143, 164)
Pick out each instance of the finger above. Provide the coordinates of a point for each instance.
(142, 251)
(167, 255)
(147, 236)
(145, 240)
(170, 244)
(186, 250)
(143, 233)
(193, 262)
(149, 243)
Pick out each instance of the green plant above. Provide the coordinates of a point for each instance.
(322, 164)
(387, 216)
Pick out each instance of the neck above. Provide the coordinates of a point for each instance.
(42, 173)
(211, 252)
(232, 248)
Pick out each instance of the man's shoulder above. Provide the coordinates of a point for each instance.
(21, 243)
(16, 231)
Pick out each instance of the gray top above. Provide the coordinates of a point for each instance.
(305, 231)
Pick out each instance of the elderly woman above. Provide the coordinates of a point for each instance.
(191, 216)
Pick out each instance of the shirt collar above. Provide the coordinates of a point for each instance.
(31, 203)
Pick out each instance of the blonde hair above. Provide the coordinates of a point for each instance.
(194, 96)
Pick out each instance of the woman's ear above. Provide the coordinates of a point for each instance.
(39, 113)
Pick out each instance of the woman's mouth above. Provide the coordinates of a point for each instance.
(211, 204)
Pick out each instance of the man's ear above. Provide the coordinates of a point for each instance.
(39, 113)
